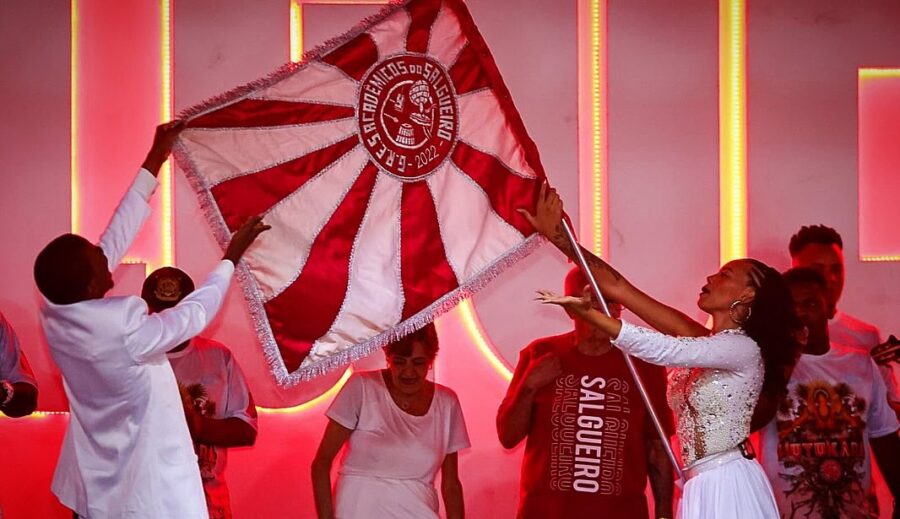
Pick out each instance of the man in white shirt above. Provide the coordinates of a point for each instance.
(18, 390)
(821, 248)
(816, 450)
(217, 402)
(127, 451)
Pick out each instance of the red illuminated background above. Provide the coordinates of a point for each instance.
(680, 135)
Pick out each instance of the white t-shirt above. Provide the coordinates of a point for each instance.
(392, 457)
(849, 331)
(206, 370)
(816, 450)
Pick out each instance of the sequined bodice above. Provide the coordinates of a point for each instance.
(714, 389)
(713, 407)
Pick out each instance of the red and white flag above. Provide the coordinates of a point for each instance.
(390, 163)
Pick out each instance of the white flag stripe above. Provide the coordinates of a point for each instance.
(235, 152)
(387, 34)
(374, 300)
(317, 83)
(474, 235)
(297, 220)
(491, 135)
(446, 39)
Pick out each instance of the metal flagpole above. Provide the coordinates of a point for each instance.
(628, 362)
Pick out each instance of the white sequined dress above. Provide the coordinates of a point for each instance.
(713, 390)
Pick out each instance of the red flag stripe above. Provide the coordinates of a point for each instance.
(260, 112)
(424, 269)
(306, 310)
(467, 73)
(506, 191)
(354, 57)
(422, 15)
(249, 195)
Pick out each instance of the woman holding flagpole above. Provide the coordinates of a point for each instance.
(722, 375)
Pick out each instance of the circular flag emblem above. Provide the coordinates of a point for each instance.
(407, 114)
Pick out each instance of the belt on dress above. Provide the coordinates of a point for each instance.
(714, 461)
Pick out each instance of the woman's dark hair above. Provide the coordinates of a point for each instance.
(772, 324)
(427, 335)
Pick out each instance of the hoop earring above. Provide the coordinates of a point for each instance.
(735, 304)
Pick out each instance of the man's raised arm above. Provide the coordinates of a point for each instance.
(134, 208)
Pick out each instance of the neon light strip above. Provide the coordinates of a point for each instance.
(869, 74)
(165, 175)
(592, 124)
(296, 30)
(37, 415)
(598, 126)
(879, 258)
(75, 195)
(877, 73)
(476, 333)
(732, 131)
(312, 403)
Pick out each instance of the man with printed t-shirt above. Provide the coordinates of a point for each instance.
(821, 248)
(591, 445)
(816, 450)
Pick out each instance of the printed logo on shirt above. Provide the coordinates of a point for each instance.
(588, 437)
(821, 442)
(207, 456)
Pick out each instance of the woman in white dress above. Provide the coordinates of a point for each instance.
(724, 377)
(401, 429)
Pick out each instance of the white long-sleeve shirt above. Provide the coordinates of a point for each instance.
(127, 450)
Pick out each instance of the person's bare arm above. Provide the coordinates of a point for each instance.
(660, 474)
(334, 438)
(224, 432)
(451, 488)
(163, 140)
(886, 450)
(244, 237)
(514, 414)
(548, 221)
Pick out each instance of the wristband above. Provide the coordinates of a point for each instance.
(9, 390)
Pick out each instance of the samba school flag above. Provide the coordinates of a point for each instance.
(389, 162)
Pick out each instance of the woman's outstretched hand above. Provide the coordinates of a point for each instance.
(581, 307)
(576, 304)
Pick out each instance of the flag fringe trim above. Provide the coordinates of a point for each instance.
(367, 347)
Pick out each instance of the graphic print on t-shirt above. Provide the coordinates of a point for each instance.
(207, 455)
(589, 431)
(820, 441)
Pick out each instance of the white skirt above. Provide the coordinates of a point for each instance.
(736, 489)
